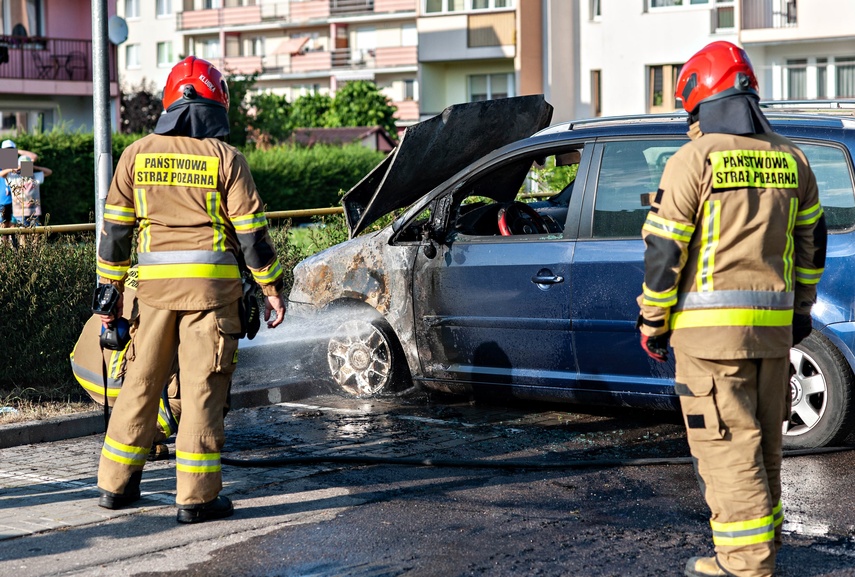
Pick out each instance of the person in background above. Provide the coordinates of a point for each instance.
(6, 194)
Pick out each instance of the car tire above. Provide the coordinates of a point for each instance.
(365, 358)
(821, 413)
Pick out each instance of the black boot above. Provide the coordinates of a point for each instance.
(219, 508)
(110, 500)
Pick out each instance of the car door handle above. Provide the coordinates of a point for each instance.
(546, 278)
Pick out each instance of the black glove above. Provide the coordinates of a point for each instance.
(656, 347)
(801, 328)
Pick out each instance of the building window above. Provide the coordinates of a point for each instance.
(164, 54)
(164, 8)
(490, 86)
(596, 92)
(445, 6)
(796, 88)
(256, 46)
(669, 3)
(212, 4)
(210, 48)
(409, 89)
(845, 77)
(822, 77)
(594, 10)
(661, 81)
(132, 8)
(132, 56)
(409, 35)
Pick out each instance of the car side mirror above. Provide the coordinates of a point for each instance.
(429, 247)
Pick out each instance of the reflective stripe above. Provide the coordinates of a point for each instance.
(93, 382)
(187, 257)
(753, 169)
(111, 271)
(655, 224)
(119, 214)
(165, 418)
(249, 222)
(197, 462)
(808, 275)
(736, 299)
(141, 203)
(742, 533)
(659, 299)
(709, 243)
(116, 361)
(809, 215)
(778, 513)
(218, 221)
(273, 273)
(790, 246)
(731, 318)
(124, 454)
(176, 271)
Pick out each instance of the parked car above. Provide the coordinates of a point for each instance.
(472, 289)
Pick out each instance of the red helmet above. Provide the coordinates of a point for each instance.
(719, 69)
(195, 79)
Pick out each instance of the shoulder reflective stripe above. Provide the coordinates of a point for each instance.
(753, 169)
(125, 454)
(709, 242)
(744, 532)
(809, 215)
(187, 257)
(790, 246)
(218, 221)
(808, 275)
(119, 214)
(659, 299)
(174, 169)
(176, 271)
(659, 226)
(249, 222)
(197, 462)
(273, 273)
(735, 299)
(731, 318)
(141, 203)
(112, 272)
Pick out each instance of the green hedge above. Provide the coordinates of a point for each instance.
(287, 177)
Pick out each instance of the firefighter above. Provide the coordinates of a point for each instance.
(735, 246)
(193, 200)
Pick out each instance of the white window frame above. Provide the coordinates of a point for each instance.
(677, 4)
(135, 49)
(134, 12)
(510, 88)
(159, 8)
(171, 58)
(206, 45)
(409, 35)
(466, 6)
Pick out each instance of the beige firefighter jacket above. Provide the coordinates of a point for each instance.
(735, 242)
(197, 211)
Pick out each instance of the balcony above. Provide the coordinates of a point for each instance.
(407, 110)
(384, 6)
(240, 64)
(760, 14)
(234, 16)
(49, 60)
(387, 57)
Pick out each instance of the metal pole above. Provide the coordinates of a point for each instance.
(101, 125)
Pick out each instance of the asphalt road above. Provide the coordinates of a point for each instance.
(391, 520)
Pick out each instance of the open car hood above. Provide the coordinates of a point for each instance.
(435, 149)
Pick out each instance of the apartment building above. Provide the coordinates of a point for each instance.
(46, 64)
(153, 45)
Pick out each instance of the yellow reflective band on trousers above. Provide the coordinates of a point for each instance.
(790, 247)
(218, 222)
(778, 513)
(670, 229)
(124, 454)
(808, 275)
(163, 420)
(710, 233)
(809, 215)
(177, 271)
(144, 238)
(753, 169)
(741, 533)
(119, 214)
(691, 319)
(112, 272)
(197, 462)
(659, 299)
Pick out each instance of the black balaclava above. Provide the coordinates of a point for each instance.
(196, 119)
(738, 114)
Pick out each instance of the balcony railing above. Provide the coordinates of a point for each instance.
(341, 7)
(758, 14)
(233, 16)
(37, 58)
(387, 57)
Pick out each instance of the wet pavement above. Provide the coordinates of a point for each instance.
(343, 519)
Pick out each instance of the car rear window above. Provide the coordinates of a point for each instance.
(830, 164)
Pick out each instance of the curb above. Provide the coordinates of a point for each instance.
(92, 422)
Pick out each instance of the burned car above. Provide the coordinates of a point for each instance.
(516, 263)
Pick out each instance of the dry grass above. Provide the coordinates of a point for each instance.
(25, 408)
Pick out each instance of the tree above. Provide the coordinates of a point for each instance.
(141, 107)
(360, 103)
(271, 121)
(239, 86)
(311, 111)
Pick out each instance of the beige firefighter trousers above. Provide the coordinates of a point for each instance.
(733, 411)
(207, 356)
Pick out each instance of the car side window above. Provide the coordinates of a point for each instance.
(834, 179)
(629, 173)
